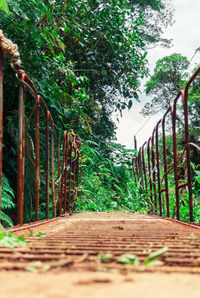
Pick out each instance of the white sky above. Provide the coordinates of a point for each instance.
(185, 33)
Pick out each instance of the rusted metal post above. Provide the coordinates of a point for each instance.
(144, 167)
(77, 168)
(53, 173)
(80, 170)
(165, 167)
(165, 161)
(140, 168)
(1, 122)
(80, 174)
(66, 173)
(70, 175)
(37, 158)
(175, 156)
(158, 169)
(187, 140)
(21, 155)
(47, 164)
(71, 202)
(62, 183)
(59, 178)
(153, 170)
(149, 169)
(137, 170)
(63, 173)
(74, 167)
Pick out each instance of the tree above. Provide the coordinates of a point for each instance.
(84, 57)
(157, 15)
(164, 84)
(104, 40)
(194, 107)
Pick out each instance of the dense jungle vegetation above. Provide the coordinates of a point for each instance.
(87, 59)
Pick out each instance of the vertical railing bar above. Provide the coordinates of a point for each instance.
(144, 166)
(165, 162)
(137, 170)
(140, 168)
(149, 169)
(37, 158)
(158, 169)
(58, 156)
(80, 175)
(175, 156)
(21, 154)
(47, 164)
(153, 170)
(69, 174)
(66, 173)
(1, 124)
(63, 173)
(74, 177)
(187, 140)
(53, 173)
(77, 168)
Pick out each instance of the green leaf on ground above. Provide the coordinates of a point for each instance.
(128, 259)
(155, 255)
(193, 236)
(105, 258)
(31, 269)
(10, 240)
(40, 234)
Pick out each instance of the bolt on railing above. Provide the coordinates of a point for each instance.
(68, 167)
(148, 172)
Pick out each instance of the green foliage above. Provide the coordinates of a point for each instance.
(105, 258)
(197, 173)
(194, 110)
(105, 42)
(7, 203)
(152, 257)
(107, 182)
(3, 6)
(10, 240)
(38, 235)
(128, 259)
(165, 83)
(86, 59)
(106, 177)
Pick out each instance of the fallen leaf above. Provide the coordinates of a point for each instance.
(155, 255)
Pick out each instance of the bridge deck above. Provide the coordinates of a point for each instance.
(77, 240)
(67, 258)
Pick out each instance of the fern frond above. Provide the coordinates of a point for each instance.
(7, 196)
(5, 218)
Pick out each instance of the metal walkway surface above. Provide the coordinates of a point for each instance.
(75, 242)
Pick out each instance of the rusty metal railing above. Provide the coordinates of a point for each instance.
(65, 159)
(152, 159)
